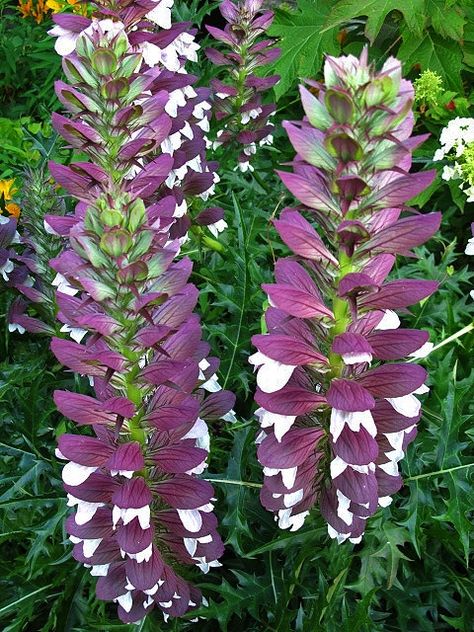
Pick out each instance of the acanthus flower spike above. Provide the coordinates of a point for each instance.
(142, 513)
(336, 413)
(238, 104)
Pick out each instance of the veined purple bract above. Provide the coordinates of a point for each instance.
(334, 425)
(142, 515)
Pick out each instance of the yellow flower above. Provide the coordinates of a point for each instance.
(7, 188)
(54, 6)
(59, 5)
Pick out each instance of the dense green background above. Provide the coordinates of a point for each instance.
(411, 571)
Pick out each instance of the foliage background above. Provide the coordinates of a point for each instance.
(411, 571)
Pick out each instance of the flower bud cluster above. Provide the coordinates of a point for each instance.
(338, 405)
(238, 104)
(142, 514)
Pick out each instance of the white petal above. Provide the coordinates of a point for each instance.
(272, 376)
(390, 468)
(423, 351)
(85, 512)
(337, 467)
(290, 500)
(143, 514)
(469, 247)
(142, 556)
(340, 537)
(90, 546)
(343, 511)
(191, 519)
(407, 405)
(75, 474)
(100, 570)
(66, 44)
(152, 590)
(339, 418)
(288, 476)
(126, 601)
(390, 320)
(191, 545)
(356, 540)
(422, 390)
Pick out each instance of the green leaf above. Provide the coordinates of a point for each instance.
(432, 52)
(395, 537)
(457, 509)
(447, 21)
(302, 42)
(376, 12)
(237, 496)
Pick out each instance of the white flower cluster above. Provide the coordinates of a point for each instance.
(457, 141)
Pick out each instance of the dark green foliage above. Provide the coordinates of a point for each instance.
(411, 572)
(29, 65)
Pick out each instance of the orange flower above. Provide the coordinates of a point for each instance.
(13, 209)
(37, 9)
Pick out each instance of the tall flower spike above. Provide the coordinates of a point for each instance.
(142, 513)
(239, 104)
(333, 427)
(35, 311)
(163, 48)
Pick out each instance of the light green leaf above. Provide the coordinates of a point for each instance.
(448, 22)
(432, 52)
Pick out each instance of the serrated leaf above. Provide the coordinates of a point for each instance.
(237, 496)
(458, 506)
(376, 11)
(432, 52)
(302, 43)
(447, 21)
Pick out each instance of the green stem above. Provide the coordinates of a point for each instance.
(446, 341)
(231, 482)
(451, 469)
(340, 308)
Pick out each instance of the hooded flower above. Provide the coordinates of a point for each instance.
(238, 104)
(142, 513)
(338, 405)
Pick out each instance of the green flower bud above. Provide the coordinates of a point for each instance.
(104, 61)
(116, 242)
